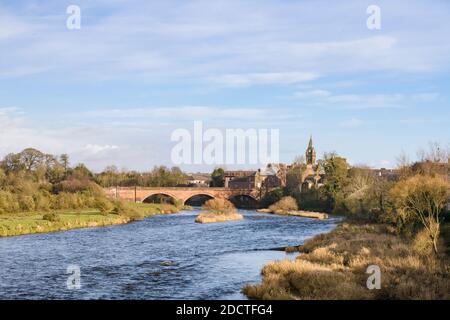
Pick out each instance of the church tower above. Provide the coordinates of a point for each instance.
(310, 153)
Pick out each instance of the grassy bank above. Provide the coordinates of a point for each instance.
(27, 223)
(333, 266)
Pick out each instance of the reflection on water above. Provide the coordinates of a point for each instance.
(162, 257)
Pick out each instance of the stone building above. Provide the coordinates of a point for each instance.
(274, 174)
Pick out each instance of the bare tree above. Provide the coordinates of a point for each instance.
(422, 198)
(435, 153)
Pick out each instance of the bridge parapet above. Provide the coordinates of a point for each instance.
(139, 194)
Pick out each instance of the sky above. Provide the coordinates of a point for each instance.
(113, 91)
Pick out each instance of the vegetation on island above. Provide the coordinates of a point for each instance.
(400, 224)
(42, 193)
(288, 206)
(285, 204)
(218, 210)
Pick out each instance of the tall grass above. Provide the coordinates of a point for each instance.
(334, 266)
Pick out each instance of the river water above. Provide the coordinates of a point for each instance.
(161, 257)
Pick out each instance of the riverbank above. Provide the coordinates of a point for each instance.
(29, 223)
(334, 265)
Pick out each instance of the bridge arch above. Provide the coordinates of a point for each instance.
(160, 197)
(198, 199)
(244, 201)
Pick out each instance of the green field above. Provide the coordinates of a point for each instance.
(26, 223)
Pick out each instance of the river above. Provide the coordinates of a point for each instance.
(161, 257)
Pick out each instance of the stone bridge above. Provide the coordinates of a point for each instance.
(140, 194)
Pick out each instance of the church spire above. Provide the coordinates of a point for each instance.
(310, 144)
(310, 153)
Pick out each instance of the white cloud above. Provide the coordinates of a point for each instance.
(357, 101)
(312, 94)
(228, 41)
(182, 113)
(133, 138)
(11, 27)
(363, 101)
(96, 149)
(425, 96)
(352, 123)
(242, 80)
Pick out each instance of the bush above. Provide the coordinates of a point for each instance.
(26, 203)
(52, 216)
(8, 202)
(219, 206)
(422, 243)
(421, 199)
(73, 185)
(42, 200)
(64, 201)
(127, 210)
(285, 204)
(104, 205)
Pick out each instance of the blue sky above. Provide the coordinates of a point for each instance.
(113, 91)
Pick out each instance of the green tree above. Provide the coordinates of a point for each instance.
(81, 172)
(336, 169)
(217, 178)
(294, 179)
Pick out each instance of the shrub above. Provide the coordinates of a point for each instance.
(8, 202)
(219, 206)
(422, 199)
(104, 205)
(42, 200)
(26, 203)
(285, 204)
(422, 243)
(52, 216)
(65, 200)
(127, 210)
(73, 185)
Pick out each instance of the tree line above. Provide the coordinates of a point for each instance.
(35, 181)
